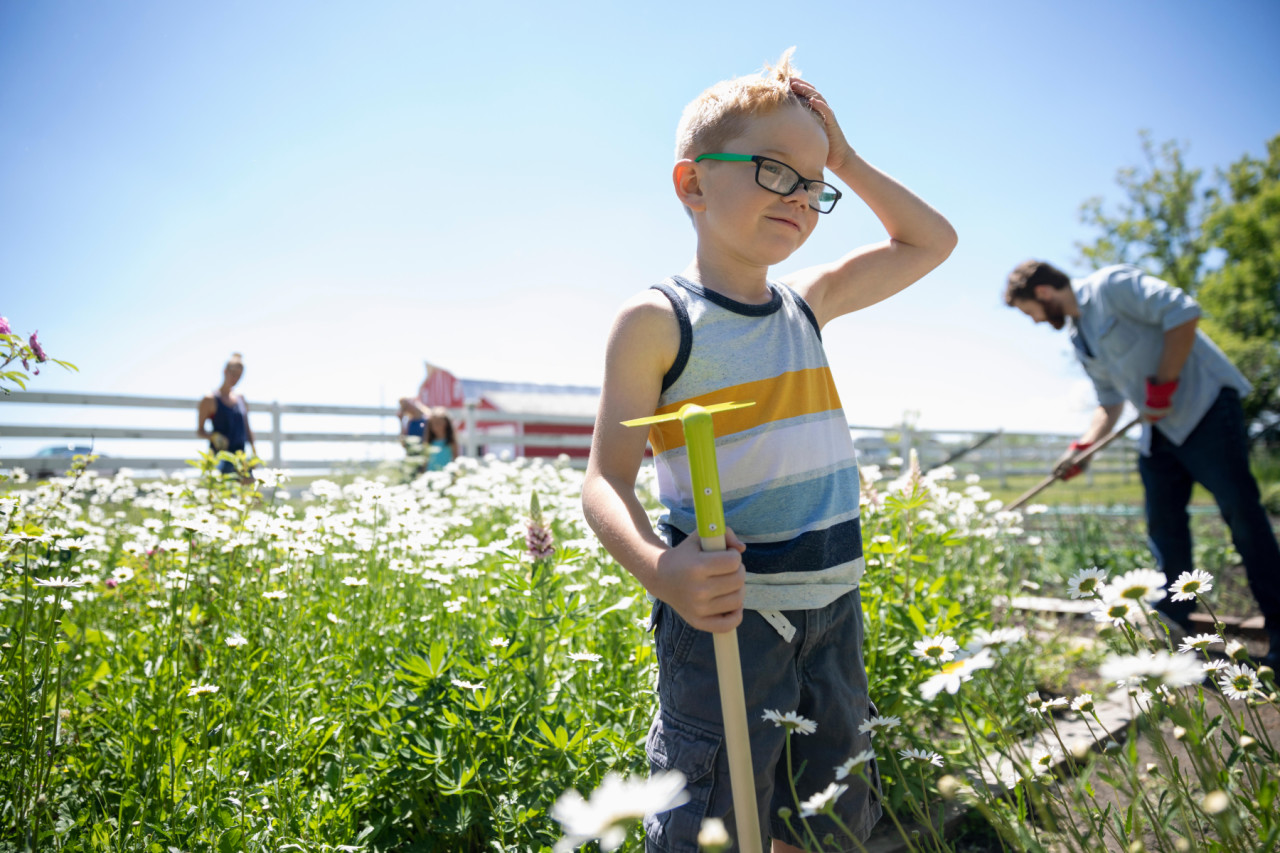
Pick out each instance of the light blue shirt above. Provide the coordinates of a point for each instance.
(1119, 338)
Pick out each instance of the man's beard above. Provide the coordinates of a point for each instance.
(1053, 314)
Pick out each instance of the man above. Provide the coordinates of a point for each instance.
(1137, 339)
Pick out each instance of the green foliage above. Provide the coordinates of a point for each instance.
(209, 663)
(1242, 296)
(1158, 225)
(17, 357)
(1172, 227)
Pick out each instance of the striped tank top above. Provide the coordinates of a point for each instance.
(788, 473)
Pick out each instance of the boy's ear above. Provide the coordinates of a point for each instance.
(1044, 292)
(687, 184)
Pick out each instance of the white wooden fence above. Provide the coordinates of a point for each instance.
(504, 430)
(1003, 456)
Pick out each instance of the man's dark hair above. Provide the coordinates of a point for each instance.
(1027, 275)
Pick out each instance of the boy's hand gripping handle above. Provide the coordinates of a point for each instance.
(700, 443)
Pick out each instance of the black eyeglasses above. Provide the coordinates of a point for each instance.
(778, 177)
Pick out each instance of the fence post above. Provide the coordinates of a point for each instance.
(1001, 472)
(473, 430)
(520, 438)
(277, 435)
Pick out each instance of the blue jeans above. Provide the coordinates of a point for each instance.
(1215, 455)
(819, 674)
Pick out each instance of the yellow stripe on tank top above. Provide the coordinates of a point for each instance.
(790, 395)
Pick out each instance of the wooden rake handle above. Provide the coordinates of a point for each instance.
(1053, 478)
(709, 509)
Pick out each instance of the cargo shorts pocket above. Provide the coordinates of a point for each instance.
(674, 638)
(677, 745)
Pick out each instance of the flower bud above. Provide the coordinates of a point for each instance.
(948, 786)
(1266, 674)
(1247, 743)
(1215, 802)
(784, 813)
(1179, 732)
(1137, 846)
(713, 837)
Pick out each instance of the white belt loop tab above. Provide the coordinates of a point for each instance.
(780, 623)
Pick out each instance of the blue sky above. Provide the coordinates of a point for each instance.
(342, 190)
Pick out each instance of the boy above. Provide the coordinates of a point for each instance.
(721, 331)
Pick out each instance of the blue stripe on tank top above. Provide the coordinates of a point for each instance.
(805, 553)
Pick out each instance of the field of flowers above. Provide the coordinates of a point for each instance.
(201, 664)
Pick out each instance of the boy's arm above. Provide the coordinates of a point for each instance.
(920, 238)
(705, 588)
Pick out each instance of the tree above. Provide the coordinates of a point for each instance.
(1159, 226)
(1220, 244)
(1241, 298)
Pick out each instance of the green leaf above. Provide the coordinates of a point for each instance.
(231, 841)
(224, 817)
(917, 618)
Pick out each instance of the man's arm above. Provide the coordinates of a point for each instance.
(1178, 342)
(705, 588)
(1104, 421)
(920, 238)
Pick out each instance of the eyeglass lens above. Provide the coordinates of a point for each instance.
(782, 179)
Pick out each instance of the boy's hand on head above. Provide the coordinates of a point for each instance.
(838, 148)
(704, 587)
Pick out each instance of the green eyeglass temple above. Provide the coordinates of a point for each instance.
(827, 197)
(732, 158)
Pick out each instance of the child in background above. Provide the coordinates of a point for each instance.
(750, 155)
(441, 441)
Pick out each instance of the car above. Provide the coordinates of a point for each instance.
(55, 460)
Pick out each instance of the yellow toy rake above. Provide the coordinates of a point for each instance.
(699, 438)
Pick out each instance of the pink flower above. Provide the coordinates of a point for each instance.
(4, 326)
(111, 583)
(37, 349)
(539, 541)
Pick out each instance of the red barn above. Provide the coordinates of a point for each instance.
(559, 403)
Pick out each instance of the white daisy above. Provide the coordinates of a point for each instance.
(998, 637)
(851, 765)
(1190, 584)
(202, 688)
(791, 721)
(613, 807)
(277, 594)
(1165, 668)
(235, 641)
(1138, 585)
(1082, 703)
(467, 685)
(955, 673)
(591, 657)
(921, 755)
(1239, 682)
(56, 582)
(1199, 642)
(874, 724)
(939, 649)
(822, 800)
(1117, 611)
(1087, 583)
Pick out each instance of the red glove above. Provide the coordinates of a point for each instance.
(1159, 399)
(1065, 469)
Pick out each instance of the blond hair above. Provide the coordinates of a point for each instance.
(722, 112)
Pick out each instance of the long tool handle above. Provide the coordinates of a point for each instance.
(709, 509)
(1053, 478)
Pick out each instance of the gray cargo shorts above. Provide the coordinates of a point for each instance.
(819, 675)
